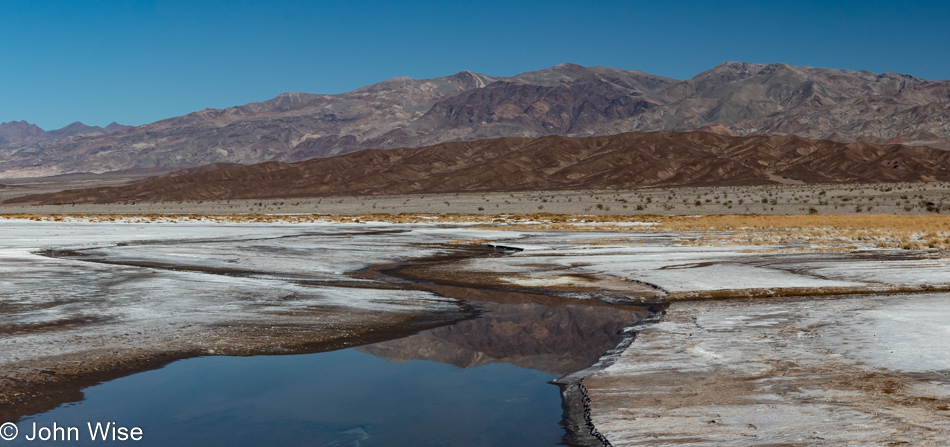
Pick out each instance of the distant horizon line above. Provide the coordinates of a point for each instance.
(474, 72)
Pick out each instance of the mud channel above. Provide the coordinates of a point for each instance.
(491, 341)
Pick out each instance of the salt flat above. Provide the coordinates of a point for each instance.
(796, 366)
(867, 370)
(853, 367)
(132, 295)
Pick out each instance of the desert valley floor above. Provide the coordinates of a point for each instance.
(390, 224)
(683, 330)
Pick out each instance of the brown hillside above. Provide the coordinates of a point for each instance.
(732, 98)
(624, 161)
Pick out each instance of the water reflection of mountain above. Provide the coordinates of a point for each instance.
(557, 336)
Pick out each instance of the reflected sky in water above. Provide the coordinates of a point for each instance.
(478, 382)
(340, 398)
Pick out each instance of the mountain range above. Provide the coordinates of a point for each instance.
(623, 161)
(14, 132)
(733, 98)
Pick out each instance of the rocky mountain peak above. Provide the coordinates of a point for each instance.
(115, 127)
(16, 131)
(734, 71)
(562, 73)
(736, 98)
(73, 129)
(469, 80)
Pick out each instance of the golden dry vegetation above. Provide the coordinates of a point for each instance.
(823, 232)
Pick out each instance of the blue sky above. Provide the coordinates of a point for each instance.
(140, 61)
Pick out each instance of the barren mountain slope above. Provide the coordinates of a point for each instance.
(17, 131)
(288, 126)
(622, 161)
(732, 98)
(812, 103)
(80, 129)
(21, 132)
(562, 100)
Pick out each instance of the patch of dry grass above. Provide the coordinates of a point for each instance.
(889, 222)
(821, 231)
(813, 232)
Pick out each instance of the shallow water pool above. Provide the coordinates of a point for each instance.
(340, 398)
